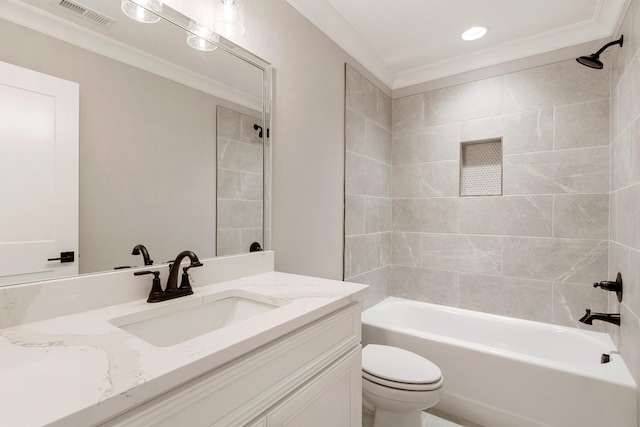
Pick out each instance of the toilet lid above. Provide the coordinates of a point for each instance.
(393, 366)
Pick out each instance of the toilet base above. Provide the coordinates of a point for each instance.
(384, 418)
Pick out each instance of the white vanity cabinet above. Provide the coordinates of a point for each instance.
(310, 377)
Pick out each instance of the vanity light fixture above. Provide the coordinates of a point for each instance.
(474, 33)
(142, 10)
(229, 19)
(199, 37)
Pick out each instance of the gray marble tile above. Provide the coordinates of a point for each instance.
(507, 296)
(583, 170)
(384, 110)
(634, 150)
(239, 156)
(406, 114)
(355, 132)
(467, 101)
(562, 260)
(628, 229)
(354, 215)
(507, 215)
(377, 215)
(229, 124)
(406, 249)
(613, 216)
(367, 177)
(229, 184)
(407, 181)
(521, 132)
(613, 103)
(581, 125)
(629, 342)
(378, 281)
(239, 214)
(236, 240)
(434, 215)
(631, 280)
(628, 107)
(621, 161)
(475, 254)
(440, 179)
(582, 216)
(618, 263)
(365, 253)
(421, 284)
(570, 302)
(377, 142)
(431, 144)
(553, 85)
(361, 95)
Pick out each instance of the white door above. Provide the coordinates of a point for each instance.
(39, 121)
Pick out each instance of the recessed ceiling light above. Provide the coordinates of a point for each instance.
(474, 33)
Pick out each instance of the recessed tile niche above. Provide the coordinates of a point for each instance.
(481, 167)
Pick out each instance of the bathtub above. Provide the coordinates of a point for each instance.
(505, 372)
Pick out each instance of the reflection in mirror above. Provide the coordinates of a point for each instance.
(147, 130)
(240, 181)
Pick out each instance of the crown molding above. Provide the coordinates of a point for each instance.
(51, 25)
(324, 16)
(605, 23)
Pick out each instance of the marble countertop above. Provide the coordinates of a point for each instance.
(81, 370)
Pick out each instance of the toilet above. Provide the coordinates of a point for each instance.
(397, 385)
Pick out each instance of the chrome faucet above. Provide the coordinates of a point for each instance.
(589, 317)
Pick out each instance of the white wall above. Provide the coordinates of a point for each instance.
(308, 132)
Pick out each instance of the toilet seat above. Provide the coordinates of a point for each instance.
(400, 369)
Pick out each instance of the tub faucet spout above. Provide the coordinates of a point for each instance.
(589, 317)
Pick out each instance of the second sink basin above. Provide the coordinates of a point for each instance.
(180, 321)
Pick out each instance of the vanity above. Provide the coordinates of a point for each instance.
(285, 350)
(169, 146)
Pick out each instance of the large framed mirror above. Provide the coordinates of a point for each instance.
(172, 142)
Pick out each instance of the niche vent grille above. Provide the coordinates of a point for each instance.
(481, 168)
(85, 13)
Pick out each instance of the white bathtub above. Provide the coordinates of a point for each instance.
(505, 372)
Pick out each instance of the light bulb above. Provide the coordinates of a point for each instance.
(199, 37)
(474, 33)
(146, 15)
(231, 22)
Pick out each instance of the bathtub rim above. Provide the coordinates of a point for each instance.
(615, 371)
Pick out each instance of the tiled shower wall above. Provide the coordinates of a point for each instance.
(625, 189)
(534, 251)
(367, 186)
(240, 183)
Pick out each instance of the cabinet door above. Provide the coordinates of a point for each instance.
(260, 422)
(333, 398)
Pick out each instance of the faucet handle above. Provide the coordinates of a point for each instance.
(184, 283)
(156, 288)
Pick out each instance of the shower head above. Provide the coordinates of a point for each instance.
(593, 60)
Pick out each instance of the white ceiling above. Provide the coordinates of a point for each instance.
(408, 42)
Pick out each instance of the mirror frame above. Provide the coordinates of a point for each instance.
(28, 16)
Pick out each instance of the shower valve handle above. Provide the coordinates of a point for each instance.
(608, 285)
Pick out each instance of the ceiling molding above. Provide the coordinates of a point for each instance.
(51, 25)
(333, 25)
(606, 22)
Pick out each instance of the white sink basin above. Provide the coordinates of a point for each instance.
(179, 321)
